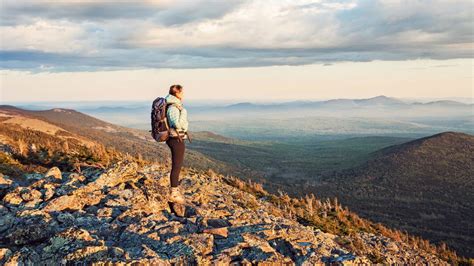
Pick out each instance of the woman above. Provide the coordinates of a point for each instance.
(178, 122)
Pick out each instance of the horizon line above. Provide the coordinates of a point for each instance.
(426, 98)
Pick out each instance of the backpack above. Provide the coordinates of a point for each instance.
(159, 122)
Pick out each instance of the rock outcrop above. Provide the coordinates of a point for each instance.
(121, 214)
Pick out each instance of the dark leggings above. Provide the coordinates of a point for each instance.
(177, 157)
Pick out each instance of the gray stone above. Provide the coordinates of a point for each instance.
(55, 173)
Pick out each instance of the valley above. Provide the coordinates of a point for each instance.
(344, 165)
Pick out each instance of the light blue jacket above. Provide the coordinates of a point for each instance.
(176, 118)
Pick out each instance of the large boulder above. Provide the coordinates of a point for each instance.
(14, 197)
(54, 173)
(30, 230)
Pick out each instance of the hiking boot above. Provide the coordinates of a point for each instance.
(176, 196)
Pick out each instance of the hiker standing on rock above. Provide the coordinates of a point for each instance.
(169, 123)
(177, 118)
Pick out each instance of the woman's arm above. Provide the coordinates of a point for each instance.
(177, 119)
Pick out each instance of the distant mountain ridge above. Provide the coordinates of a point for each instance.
(377, 100)
(375, 107)
(449, 115)
(380, 101)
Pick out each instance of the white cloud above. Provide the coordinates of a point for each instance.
(206, 33)
(256, 25)
(42, 35)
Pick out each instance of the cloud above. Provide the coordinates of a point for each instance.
(90, 35)
(46, 36)
(161, 12)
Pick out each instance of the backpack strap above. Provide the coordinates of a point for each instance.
(189, 137)
(166, 117)
(172, 104)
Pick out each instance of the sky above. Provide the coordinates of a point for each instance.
(235, 49)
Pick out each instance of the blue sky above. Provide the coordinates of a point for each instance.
(80, 37)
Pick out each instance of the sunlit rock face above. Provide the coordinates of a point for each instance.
(121, 214)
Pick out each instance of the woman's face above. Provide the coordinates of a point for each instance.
(179, 94)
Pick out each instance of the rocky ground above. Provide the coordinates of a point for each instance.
(121, 214)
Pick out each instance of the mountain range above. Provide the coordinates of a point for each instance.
(429, 117)
(379, 115)
(69, 196)
(348, 103)
(380, 106)
(78, 142)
